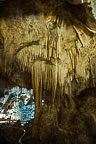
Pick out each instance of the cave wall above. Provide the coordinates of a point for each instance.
(55, 43)
(52, 39)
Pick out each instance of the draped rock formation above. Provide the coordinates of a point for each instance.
(54, 42)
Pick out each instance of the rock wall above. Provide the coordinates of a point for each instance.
(61, 46)
(53, 41)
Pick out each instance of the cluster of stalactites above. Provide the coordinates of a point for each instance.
(47, 74)
(47, 69)
(46, 78)
(53, 65)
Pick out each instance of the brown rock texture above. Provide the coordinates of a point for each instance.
(53, 44)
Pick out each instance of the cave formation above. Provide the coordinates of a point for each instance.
(50, 46)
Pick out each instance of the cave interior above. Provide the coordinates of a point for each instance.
(48, 72)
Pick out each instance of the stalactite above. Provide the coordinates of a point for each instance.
(40, 88)
(40, 85)
(90, 71)
(46, 76)
(79, 34)
(71, 59)
(37, 80)
(45, 82)
(74, 58)
(54, 82)
(35, 93)
(60, 77)
(49, 80)
(32, 77)
(58, 42)
(48, 48)
(40, 50)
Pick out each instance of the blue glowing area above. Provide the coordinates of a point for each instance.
(17, 104)
(27, 112)
(93, 5)
(94, 12)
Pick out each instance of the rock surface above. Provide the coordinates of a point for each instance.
(51, 47)
(56, 43)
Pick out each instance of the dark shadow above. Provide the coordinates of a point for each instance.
(88, 92)
(3, 141)
(69, 13)
(58, 8)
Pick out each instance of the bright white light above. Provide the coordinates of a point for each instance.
(22, 105)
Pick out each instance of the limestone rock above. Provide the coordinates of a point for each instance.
(55, 43)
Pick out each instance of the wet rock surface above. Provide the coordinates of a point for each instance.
(50, 46)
